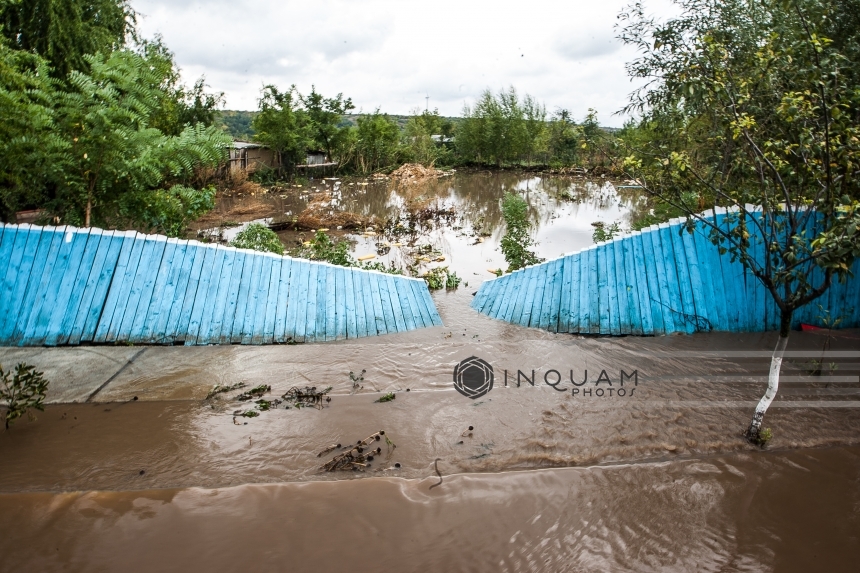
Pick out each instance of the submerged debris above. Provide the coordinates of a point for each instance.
(246, 414)
(254, 392)
(263, 404)
(357, 380)
(356, 457)
(219, 389)
(307, 396)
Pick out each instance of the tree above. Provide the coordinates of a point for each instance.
(63, 32)
(751, 105)
(29, 145)
(178, 106)
(325, 115)
(373, 144)
(499, 129)
(112, 155)
(563, 138)
(283, 126)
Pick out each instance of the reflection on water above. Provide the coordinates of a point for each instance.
(561, 210)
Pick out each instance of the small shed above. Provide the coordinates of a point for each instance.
(248, 156)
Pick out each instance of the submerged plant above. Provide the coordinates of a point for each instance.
(220, 389)
(357, 380)
(22, 391)
(604, 232)
(255, 392)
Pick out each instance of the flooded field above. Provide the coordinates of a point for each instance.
(456, 217)
(133, 468)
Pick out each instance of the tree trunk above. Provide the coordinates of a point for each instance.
(754, 432)
(89, 209)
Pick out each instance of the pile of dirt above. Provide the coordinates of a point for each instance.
(321, 213)
(414, 173)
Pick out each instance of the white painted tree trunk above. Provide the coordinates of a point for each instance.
(754, 431)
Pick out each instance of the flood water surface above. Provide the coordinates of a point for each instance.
(781, 511)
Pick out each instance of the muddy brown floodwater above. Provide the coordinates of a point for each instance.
(557, 473)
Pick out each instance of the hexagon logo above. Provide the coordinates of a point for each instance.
(473, 377)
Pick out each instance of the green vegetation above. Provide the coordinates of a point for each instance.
(64, 32)
(258, 237)
(237, 124)
(373, 145)
(517, 240)
(323, 248)
(22, 391)
(440, 277)
(756, 106)
(386, 397)
(95, 132)
(602, 232)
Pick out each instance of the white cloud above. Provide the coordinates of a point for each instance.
(389, 54)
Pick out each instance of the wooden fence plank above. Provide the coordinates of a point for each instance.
(159, 305)
(344, 308)
(220, 324)
(632, 273)
(301, 300)
(330, 306)
(117, 294)
(399, 318)
(618, 311)
(87, 267)
(39, 276)
(260, 299)
(65, 288)
(380, 325)
(355, 325)
(143, 283)
(272, 300)
(283, 300)
(312, 300)
(98, 286)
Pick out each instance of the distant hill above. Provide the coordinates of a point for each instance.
(236, 123)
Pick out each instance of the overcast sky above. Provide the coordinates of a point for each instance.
(392, 54)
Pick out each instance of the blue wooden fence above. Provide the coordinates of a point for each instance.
(656, 281)
(63, 285)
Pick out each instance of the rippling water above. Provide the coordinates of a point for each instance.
(779, 511)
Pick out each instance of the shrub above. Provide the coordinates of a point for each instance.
(259, 238)
(24, 391)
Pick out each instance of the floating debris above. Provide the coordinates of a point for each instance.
(357, 457)
(307, 396)
(330, 448)
(386, 397)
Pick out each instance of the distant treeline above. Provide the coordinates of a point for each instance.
(501, 130)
